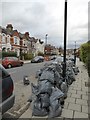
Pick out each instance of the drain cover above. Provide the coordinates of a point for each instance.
(87, 84)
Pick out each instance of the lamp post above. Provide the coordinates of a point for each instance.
(45, 43)
(75, 54)
(46, 39)
(65, 36)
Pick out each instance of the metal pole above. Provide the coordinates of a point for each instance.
(45, 43)
(65, 36)
(46, 38)
(75, 54)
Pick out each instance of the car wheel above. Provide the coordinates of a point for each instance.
(9, 65)
(21, 64)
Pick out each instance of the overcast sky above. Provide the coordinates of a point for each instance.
(41, 17)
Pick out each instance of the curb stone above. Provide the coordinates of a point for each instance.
(18, 113)
(22, 110)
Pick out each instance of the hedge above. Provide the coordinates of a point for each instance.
(27, 56)
(88, 64)
(40, 54)
(85, 55)
(84, 52)
(9, 54)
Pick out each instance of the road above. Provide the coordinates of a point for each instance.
(17, 73)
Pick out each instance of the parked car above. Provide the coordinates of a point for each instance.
(59, 59)
(37, 59)
(7, 97)
(9, 62)
(53, 57)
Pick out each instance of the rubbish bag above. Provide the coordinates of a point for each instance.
(45, 100)
(56, 95)
(45, 87)
(58, 79)
(58, 68)
(64, 88)
(37, 109)
(76, 70)
(70, 75)
(35, 89)
(38, 73)
(47, 75)
(55, 113)
(55, 104)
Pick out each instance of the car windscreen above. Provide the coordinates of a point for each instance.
(36, 58)
(59, 59)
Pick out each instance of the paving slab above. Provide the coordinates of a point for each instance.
(27, 114)
(75, 107)
(85, 97)
(80, 115)
(81, 92)
(66, 105)
(76, 95)
(67, 113)
(81, 102)
(85, 109)
(70, 100)
(72, 91)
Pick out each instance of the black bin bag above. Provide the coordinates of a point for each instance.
(37, 109)
(45, 100)
(47, 75)
(45, 87)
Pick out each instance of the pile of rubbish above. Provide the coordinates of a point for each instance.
(51, 90)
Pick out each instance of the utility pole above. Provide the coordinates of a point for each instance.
(65, 37)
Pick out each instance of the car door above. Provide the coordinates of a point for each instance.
(10, 61)
(16, 61)
(13, 63)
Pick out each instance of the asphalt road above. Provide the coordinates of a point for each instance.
(17, 73)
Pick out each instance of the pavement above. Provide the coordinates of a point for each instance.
(77, 103)
(27, 61)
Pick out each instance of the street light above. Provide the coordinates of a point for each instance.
(65, 36)
(46, 39)
(45, 43)
(75, 54)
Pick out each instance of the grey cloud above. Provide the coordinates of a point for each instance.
(37, 17)
(81, 26)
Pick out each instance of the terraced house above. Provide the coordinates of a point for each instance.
(12, 40)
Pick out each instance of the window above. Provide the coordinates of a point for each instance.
(15, 58)
(3, 38)
(8, 39)
(3, 49)
(8, 49)
(15, 40)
